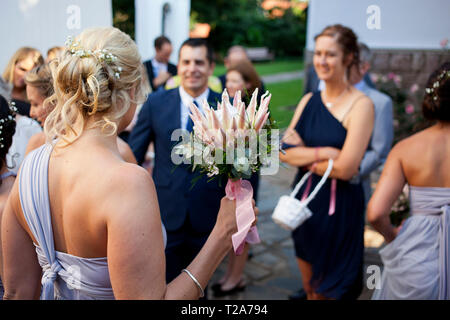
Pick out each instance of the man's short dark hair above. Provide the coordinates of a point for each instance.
(160, 41)
(199, 42)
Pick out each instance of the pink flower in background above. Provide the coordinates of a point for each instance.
(444, 43)
(391, 76)
(414, 88)
(397, 80)
(409, 109)
(374, 77)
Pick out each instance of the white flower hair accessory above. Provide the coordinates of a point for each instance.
(103, 55)
(8, 118)
(445, 73)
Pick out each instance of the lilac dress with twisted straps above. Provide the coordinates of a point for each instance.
(416, 263)
(64, 276)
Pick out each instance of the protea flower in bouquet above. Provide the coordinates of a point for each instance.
(233, 141)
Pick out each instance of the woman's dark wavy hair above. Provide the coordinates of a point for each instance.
(7, 130)
(436, 103)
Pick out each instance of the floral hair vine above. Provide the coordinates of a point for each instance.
(445, 73)
(8, 118)
(102, 55)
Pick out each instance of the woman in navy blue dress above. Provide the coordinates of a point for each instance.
(334, 123)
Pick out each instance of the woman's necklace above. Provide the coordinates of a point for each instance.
(329, 104)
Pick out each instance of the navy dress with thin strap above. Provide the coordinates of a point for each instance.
(333, 245)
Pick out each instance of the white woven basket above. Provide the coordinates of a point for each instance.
(290, 212)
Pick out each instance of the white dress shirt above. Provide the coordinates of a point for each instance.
(158, 67)
(186, 99)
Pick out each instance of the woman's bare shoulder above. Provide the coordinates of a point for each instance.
(304, 100)
(35, 142)
(362, 102)
(413, 141)
(299, 110)
(125, 175)
(413, 149)
(131, 190)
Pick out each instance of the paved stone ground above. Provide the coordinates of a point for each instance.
(272, 272)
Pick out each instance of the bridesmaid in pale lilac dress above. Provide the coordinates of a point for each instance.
(80, 222)
(416, 258)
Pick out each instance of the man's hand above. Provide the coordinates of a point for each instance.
(162, 77)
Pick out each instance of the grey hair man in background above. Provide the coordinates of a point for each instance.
(383, 132)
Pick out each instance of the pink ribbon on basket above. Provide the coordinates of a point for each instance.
(242, 191)
(332, 197)
(332, 206)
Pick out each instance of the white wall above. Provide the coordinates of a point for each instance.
(43, 24)
(149, 25)
(403, 24)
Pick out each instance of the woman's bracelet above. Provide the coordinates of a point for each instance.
(202, 293)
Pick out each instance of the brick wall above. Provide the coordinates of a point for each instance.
(414, 66)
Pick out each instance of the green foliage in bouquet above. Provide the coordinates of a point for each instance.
(242, 168)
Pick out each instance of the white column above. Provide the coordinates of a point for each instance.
(148, 25)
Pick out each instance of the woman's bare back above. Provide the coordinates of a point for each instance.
(425, 157)
(81, 178)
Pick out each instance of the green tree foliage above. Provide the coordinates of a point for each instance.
(123, 16)
(286, 36)
(235, 22)
(244, 22)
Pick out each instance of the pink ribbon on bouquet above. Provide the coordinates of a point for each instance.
(242, 191)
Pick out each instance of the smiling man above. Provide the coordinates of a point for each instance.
(159, 69)
(188, 213)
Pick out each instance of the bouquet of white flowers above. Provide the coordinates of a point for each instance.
(232, 141)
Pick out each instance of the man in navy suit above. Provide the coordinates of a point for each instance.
(188, 213)
(159, 69)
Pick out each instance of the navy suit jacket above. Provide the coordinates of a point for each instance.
(158, 118)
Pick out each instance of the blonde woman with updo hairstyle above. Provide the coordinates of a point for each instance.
(21, 62)
(54, 53)
(92, 218)
(39, 91)
(335, 123)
